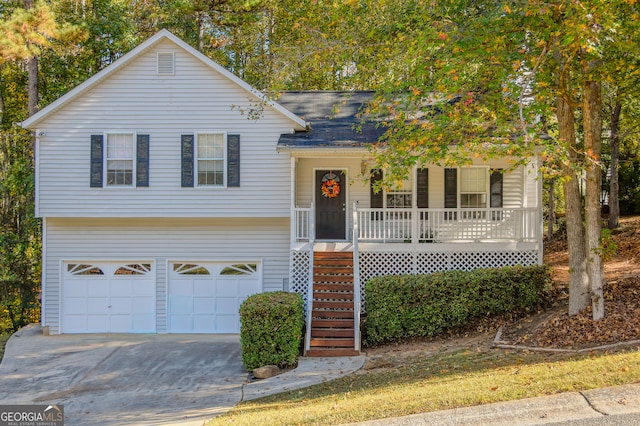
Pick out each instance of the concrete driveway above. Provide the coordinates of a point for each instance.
(123, 379)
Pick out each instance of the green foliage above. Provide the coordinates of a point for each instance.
(20, 246)
(407, 306)
(271, 329)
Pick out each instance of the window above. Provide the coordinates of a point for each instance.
(210, 159)
(473, 187)
(120, 159)
(401, 196)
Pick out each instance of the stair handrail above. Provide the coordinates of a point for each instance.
(356, 280)
(312, 238)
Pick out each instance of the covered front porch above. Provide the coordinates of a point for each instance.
(343, 234)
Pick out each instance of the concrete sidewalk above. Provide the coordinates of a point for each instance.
(573, 407)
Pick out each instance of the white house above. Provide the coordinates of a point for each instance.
(170, 190)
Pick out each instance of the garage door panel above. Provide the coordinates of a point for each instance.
(97, 288)
(216, 293)
(227, 287)
(204, 323)
(120, 323)
(144, 306)
(108, 297)
(203, 305)
(226, 306)
(227, 324)
(144, 288)
(144, 322)
(121, 306)
(203, 288)
(97, 305)
(98, 324)
(75, 289)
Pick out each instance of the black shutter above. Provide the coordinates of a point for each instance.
(142, 161)
(187, 160)
(450, 188)
(95, 179)
(496, 188)
(423, 188)
(495, 198)
(376, 200)
(233, 160)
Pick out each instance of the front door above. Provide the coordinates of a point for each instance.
(331, 207)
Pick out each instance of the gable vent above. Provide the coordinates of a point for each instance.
(166, 63)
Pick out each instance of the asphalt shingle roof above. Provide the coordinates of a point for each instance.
(334, 119)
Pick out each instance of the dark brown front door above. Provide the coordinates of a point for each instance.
(331, 208)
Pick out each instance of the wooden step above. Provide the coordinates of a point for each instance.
(333, 286)
(331, 352)
(331, 322)
(331, 270)
(333, 332)
(333, 255)
(321, 313)
(332, 295)
(320, 304)
(333, 262)
(342, 342)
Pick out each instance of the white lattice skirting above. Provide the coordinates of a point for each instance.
(377, 263)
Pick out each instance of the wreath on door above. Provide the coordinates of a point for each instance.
(330, 185)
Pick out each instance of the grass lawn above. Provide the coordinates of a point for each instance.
(437, 382)
(3, 342)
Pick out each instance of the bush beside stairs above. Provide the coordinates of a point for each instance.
(332, 313)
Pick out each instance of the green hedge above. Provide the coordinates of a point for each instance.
(407, 306)
(271, 327)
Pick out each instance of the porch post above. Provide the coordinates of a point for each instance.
(357, 297)
(312, 238)
(293, 201)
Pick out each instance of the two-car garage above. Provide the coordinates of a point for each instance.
(125, 297)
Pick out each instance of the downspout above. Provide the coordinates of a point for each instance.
(356, 280)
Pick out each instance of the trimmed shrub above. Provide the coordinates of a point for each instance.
(407, 306)
(271, 327)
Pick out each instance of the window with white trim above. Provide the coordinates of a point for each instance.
(401, 195)
(119, 159)
(210, 159)
(473, 187)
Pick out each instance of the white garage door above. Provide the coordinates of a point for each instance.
(204, 297)
(115, 297)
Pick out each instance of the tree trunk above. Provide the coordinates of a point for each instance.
(551, 220)
(614, 144)
(32, 75)
(592, 123)
(578, 281)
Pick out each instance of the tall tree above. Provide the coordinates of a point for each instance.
(490, 70)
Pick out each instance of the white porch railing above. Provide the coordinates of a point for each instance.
(436, 225)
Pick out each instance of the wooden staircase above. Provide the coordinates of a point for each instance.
(332, 314)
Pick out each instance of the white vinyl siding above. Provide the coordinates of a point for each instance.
(138, 99)
(161, 241)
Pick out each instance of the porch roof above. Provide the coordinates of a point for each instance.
(334, 117)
